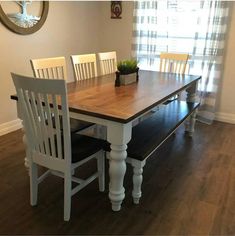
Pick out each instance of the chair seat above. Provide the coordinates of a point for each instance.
(75, 124)
(78, 125)
(84, 146)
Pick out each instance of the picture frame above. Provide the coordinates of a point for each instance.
(23, 23)
(116, 9)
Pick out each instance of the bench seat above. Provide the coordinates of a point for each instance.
(149, 134)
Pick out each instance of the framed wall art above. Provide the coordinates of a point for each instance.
(23, 17)
(116, 9)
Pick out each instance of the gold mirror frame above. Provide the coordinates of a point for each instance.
(21, 30)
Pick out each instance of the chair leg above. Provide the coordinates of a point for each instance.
(73, 172)
(33, 174)
(137, 180)
(101, 171)
(67, 195)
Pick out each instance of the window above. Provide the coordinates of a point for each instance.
(194, 27)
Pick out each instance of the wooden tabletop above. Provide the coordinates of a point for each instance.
(100, 98)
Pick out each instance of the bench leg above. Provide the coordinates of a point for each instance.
(191, 97)
(101, 170)
(137, 180)
(192, 120)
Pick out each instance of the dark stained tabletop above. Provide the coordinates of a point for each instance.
(99, 97)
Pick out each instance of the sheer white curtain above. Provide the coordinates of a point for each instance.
(195, 27)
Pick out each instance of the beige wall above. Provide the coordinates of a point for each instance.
(226, 101)
(117, 33)
(71, 27)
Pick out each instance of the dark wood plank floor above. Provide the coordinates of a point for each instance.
(189, 188)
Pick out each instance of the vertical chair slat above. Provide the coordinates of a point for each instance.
(90, 71)
(80, 72)
(58, 75)
(38, 73)
(65, 130)
(83, 71)
(47, 73)
(59, 72)
(33, 112)
(57, 127)
(53, 73)
(25, 96)
(103, 67)
(112, 66)
(77, 75)
(181, 66)
(176, 67)
(49, 116)
(42, 73)
(86, 72)
(42, 122)
(107, 66)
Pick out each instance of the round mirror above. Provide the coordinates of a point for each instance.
(23, 17)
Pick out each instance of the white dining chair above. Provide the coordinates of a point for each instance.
(173, 62)
(84, 66)
(60, 152)
(55, 68)
(108, 62)
(49, 68)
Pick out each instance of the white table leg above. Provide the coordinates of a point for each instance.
(191, 97)
(26, 162)
(118, 135)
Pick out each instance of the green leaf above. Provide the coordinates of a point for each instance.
(127, 66)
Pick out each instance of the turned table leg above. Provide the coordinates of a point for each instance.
(118, 135)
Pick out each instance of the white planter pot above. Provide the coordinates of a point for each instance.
(128, 79)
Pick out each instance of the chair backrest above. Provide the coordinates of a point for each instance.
(49, 68)
(41, 100)
(173, 62)
(84, 66)
(108, 62)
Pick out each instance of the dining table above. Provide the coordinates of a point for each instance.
(99, 101)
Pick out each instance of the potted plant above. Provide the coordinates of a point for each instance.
(127, 72)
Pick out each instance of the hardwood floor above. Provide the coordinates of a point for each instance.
(188, 188)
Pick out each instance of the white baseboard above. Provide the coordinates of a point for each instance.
(225, 117)
(10, 126)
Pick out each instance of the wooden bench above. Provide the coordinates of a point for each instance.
(149, 134)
